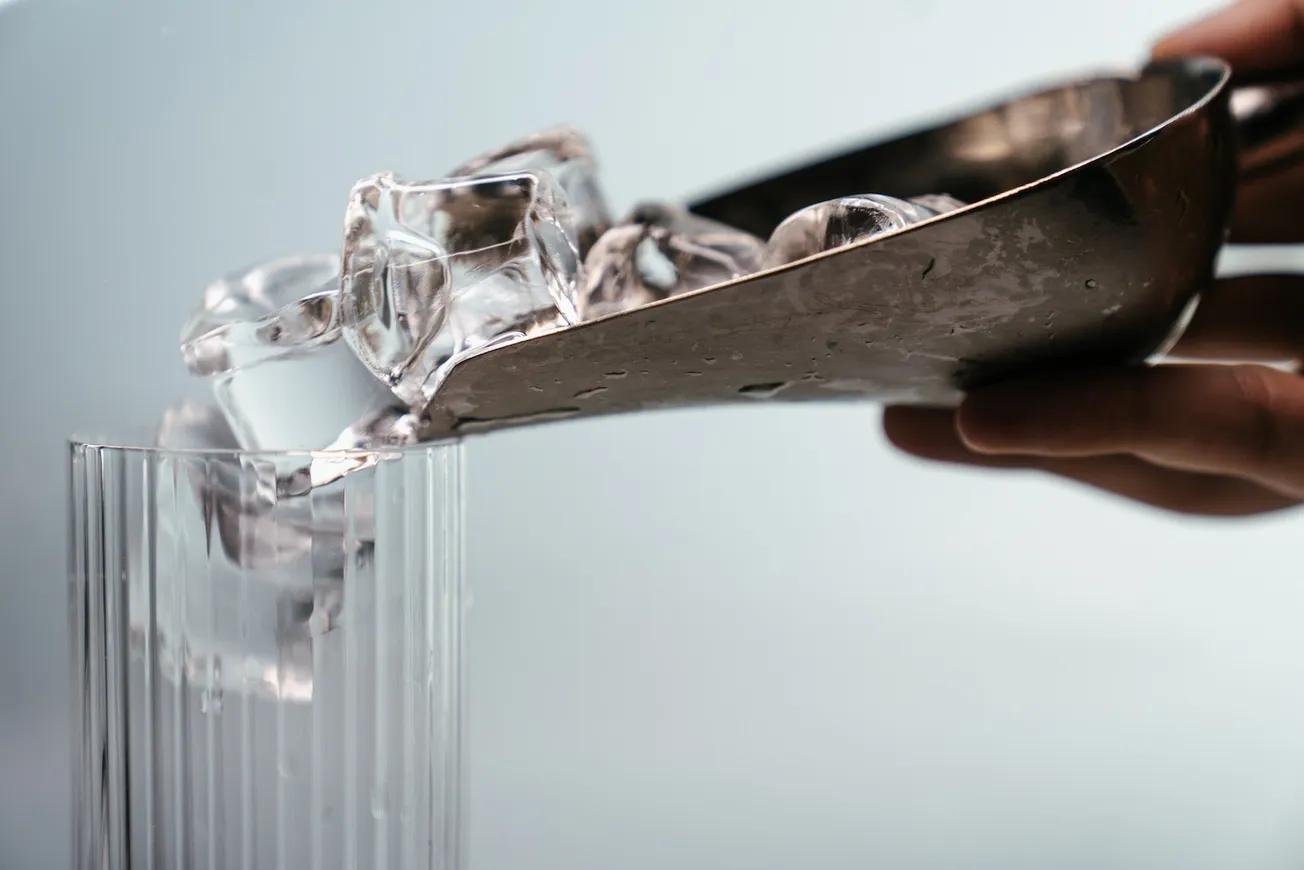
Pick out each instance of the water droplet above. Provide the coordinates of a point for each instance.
(285, 767)
(693, 374)
(617, 374)
(534, 389)
(1092, 284)
(210, 701)
(590, 393)
(736, 356)
(831, 345)
(709, 360)
(762, 391)
(476, 424)
(379, 803)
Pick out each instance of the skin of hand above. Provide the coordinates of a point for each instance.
(1211, 439)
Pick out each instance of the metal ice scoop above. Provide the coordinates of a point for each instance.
(1098, 209)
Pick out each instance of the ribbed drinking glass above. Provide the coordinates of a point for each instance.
(269, 658)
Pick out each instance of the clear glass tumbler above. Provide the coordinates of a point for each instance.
(269, 658)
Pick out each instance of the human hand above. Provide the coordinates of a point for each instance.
(1219, 440)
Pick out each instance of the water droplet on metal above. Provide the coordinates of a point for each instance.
(762, 391)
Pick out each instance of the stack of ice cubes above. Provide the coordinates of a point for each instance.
(347, 350)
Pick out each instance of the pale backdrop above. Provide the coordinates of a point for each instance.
(722, 639)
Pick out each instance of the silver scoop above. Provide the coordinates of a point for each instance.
(1098, 209)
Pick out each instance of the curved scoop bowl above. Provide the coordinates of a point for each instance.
(1098, 208)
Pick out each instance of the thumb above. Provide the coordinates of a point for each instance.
(1251, 35)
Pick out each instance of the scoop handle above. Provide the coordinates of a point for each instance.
(1269, 112)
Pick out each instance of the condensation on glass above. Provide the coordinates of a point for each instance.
(269, 659)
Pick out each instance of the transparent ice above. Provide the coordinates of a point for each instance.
(286, 525)
(661, 251)
(566, 154)
(435, 270)
(264, 514)
(269, 339)
(847, 220)
(288, 553)
(359, 446)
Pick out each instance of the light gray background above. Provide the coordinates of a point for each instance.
(751, 638)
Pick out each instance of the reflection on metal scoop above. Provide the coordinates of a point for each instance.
(1098, 208)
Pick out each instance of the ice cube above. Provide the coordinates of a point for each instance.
(848, 220)
(282, 518)
(236, 492)
(280, 560)
(191, 426)
(661, 251)
(565, 153)
(360, 446)
(269, 338)
(435, 270)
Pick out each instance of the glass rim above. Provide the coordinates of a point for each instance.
(124, 441)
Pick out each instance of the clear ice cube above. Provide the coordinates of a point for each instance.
(661, 251)
(268, 338)
(566, 154)
(285, 557)
(847, 220)
(436, 270)
(358, 447)
(238, 492)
